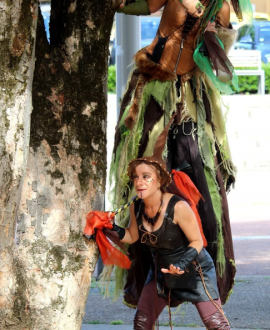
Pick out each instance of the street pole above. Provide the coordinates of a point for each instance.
(128, 42)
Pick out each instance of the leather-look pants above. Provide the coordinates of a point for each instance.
(150, 306)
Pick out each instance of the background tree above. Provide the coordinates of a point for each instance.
(53, 157)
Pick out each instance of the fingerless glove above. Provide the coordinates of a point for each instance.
(190, 255)
(119, 230)
(140, 7)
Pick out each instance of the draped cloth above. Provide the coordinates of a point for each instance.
(98, 225)
(185, 185)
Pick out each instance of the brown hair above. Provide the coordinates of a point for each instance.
(160, 174)
(171, 188)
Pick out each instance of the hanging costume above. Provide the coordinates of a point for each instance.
(175, 74)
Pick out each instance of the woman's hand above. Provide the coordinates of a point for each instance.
(172, 270)
(122, 4)
(111, 219)
(211, 27)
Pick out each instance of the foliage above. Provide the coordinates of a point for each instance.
(249, 84)
(116, 322)
(112, 79)
(93, 322)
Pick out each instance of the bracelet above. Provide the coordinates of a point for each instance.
(119, 230)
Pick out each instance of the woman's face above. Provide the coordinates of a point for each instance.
(145, 180)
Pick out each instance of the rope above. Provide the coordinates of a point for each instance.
(208, 294)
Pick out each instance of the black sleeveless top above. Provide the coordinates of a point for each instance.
(169, 235)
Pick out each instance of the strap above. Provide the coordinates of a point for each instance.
(199, 269)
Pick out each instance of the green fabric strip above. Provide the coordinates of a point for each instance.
(205, 149)
(216, 202)
(205, 66)
(130, 140)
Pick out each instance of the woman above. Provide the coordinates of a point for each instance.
(167, 226)
(175, 74)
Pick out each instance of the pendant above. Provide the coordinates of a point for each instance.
(200, 7)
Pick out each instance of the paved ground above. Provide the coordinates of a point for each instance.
(249, 306)
(129, 327)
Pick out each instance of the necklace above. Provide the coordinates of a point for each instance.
(200, 7)
(152, 221)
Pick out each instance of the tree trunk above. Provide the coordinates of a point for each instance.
(66, 170)
(17, 53)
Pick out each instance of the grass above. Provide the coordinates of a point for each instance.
(166, 324)
(115, 322)
(92, 322)
(190, 325)
(94, 283)
(237, 282)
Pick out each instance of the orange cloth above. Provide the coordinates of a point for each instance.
(95, 222)
(184, 183)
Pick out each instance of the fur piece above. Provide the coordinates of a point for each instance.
(134, 108)
(150, 69)
(227, 36)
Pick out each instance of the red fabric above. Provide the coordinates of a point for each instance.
(95, 222)
(184, 183)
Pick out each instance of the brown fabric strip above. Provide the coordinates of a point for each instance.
(153, 113)
(113, 236)
(226, 282)
(216, 54)
(125, 101)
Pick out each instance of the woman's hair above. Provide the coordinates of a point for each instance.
(160, 174)
(172, 188)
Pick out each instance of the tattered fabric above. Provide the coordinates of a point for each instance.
(97, 223)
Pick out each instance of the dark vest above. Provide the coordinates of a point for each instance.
(169, 235)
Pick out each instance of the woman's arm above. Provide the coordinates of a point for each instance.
(131, 233)
(141, 7)
(185, 218)
(155, 5)
(223, 16)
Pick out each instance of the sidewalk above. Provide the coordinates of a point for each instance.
(130, 327)
(247, 308)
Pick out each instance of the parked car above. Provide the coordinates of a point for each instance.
(256, 36)
(149, 26)
(261, 16)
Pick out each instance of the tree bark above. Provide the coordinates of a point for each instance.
(65, 172)
(17, 53)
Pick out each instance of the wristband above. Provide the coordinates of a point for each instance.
(190, 255)
(140, 7)
(119, 230)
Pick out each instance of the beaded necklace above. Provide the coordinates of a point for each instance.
(152, 221)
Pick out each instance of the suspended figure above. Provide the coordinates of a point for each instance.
(181, 74)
